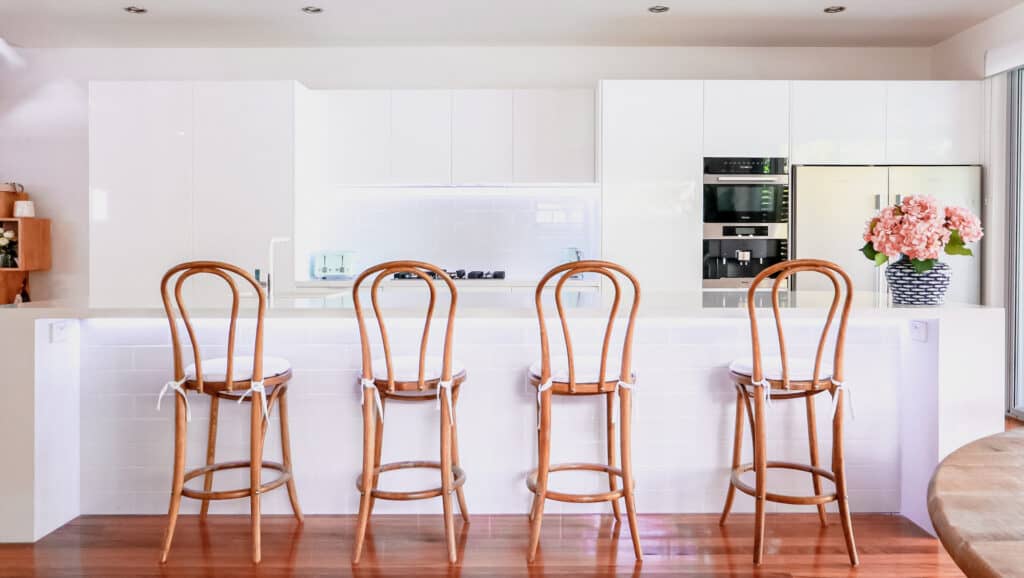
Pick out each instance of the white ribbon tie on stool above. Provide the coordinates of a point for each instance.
(540, 390)
(842, 386)
(615, 403)
(369, 384)
(451, 408)
(257, 387)
(766, 387)
(175, 386)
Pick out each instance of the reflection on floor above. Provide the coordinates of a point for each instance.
(581, 545)
(1013, 423)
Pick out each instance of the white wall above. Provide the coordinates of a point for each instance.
(962, 57)
(43, 107)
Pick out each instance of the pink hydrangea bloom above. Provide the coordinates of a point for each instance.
(919, 228)
(966, 222)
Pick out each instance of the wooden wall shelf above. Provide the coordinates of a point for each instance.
(33, 244)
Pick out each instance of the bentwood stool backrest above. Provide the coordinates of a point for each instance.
(227, 272)
(841, 302)
(605, 383)
(427, 273)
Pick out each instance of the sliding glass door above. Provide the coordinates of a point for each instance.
(1015, 276)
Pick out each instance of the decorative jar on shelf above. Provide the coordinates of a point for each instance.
(7, 261)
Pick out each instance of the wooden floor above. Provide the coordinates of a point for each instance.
(583, 545)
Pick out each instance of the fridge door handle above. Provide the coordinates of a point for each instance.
(899, 199)
(878, 202)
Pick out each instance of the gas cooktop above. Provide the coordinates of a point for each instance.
(457, 274)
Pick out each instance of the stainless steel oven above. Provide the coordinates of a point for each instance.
(746, 216)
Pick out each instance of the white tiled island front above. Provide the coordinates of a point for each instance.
(924, 382)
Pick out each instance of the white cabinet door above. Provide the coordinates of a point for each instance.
(244, 164)
(651, 172)
(934, 122)
(746, 118)
(838, 122)
(951, 186)
(421, 137)
(833, 205)
(140, 181)
(553, 136)
(481, 136)
(359, 135)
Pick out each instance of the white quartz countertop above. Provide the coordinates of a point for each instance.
(665, 304)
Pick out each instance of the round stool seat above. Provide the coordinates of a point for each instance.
(407, 374)
(276, 370)
(801, 371)
(587, 371)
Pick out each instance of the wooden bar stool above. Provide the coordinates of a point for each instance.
(262, 381)
(409, 378)
(572, 375)
(759, 380)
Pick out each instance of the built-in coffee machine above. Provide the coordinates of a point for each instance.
(746, 219)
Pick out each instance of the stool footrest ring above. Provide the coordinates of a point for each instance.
(531, 483)
(785, 498)
(457, 473)
(234, 494)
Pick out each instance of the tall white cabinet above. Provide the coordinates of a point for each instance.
(140, 187)
(746, 118)
(938, 123)
(838, 122)
(650, 179)
(183, 170)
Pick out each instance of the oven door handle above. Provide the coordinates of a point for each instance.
(742, 179)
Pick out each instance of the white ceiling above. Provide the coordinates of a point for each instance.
(244, 23)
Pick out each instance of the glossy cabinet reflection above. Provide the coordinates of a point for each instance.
(934, 122)
(838, 122)
(746, 118)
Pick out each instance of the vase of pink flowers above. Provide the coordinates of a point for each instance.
(911, 237)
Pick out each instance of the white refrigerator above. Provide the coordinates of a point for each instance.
(832, 205)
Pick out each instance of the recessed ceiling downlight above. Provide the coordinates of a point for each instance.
(135, 10)
(835, 9)
(312, 9)
(658, 9)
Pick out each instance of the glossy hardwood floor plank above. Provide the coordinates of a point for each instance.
(578, 545)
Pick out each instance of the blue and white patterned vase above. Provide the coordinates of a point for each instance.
(911, 288)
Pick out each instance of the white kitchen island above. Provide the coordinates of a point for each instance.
(82, 435)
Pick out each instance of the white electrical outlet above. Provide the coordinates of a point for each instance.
(60, 331)
(919, 331)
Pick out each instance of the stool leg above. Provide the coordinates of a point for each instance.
(610, 439)
(180, 439)
(625, 434)
(377, 450)
(737, 455)
(543, 465)
(211, 449)
(761, 468)
(446, 477)
(839, 469)
(286, 452)
(255, 471)
(463, 510)
(812, 441)
(366, 480)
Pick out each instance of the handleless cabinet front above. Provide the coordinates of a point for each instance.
(746, 118)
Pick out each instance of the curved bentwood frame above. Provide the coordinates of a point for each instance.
(265, 393)
(620, 385)
(424, 387)
(753, 393)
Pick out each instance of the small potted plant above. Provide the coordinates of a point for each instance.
(8, 249)
(910, 237)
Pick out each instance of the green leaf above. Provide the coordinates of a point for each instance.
(880, 259)
(956, 245)
(869, 251)
(922, 265)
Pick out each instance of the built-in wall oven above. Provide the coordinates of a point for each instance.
(746, 219)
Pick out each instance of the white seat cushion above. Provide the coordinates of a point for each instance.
(407, 368)
(587, 369)
(215, 370)
(800, 368)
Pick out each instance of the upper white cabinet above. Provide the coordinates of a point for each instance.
(934, 122)
(553, 139)
(746, 118)
(838, 122)
(140, 188)
(481, 136)
(243, 163)
(421, 123)
(651, 172)
(359, 136)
